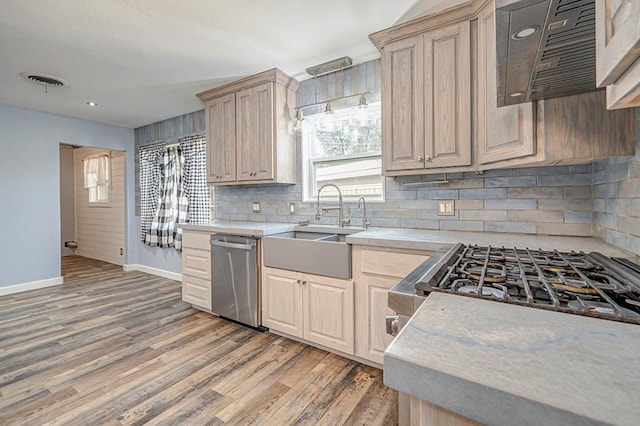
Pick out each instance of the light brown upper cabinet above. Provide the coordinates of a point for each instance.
(618, 51)
(502, 133)
(426, 100)
(436, 67)
(248, 137)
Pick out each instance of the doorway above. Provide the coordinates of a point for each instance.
(92, 215)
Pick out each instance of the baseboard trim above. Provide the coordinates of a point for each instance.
(33, 285)
(153, 271)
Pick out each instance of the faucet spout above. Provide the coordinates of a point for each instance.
(365, 220)
(341, 220)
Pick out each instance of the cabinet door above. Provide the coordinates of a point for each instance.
(245, 133)
(263, 149)
(375, 272)
(447, 100)
(502, 133)
(617, 38)
(402, 105)
(328, 312)
(221, 139)
(196, 291)
(282, 301)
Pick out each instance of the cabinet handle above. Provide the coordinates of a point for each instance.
(428, 158)
(421, 159)
(304, 282)
(298, 281)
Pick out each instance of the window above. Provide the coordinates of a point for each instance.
(343, 148)
(97, 180)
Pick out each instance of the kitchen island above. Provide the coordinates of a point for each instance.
(503, 364)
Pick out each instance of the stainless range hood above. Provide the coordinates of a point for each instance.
(545, 49)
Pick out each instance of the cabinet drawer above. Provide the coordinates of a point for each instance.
(197, 240)
(390, 264)
(196, 263)
(196, 291)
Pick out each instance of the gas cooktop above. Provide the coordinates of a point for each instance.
(576, 282)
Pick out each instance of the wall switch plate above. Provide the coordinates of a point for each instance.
(292, 208)
(256, 206)
(446, 208)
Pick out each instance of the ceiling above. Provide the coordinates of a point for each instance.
(143, 61)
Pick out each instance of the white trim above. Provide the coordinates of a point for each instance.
(33, 285)
(153, 271)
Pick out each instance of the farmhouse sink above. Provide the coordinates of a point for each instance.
(321, 253)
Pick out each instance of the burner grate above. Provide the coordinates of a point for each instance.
(568, 282)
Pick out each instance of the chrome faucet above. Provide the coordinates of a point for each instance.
(365, 220)
(341, 220)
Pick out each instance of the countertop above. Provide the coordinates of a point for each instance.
(246, 229)
(422, 239)
(504, 364)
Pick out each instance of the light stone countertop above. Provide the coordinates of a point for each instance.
(245, 229)
(503, 364)
(422, 239)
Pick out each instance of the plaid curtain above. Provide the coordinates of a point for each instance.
(149, 157)
(173, 203)
(194, 177)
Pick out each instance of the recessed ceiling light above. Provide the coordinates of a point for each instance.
(525, 32)
(516, 94)
(92, 104)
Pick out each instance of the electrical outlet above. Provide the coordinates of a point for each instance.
(446, 208)
(292, 208)
(256, 206)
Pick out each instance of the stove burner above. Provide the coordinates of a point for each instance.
(568, 282)
(599, 308)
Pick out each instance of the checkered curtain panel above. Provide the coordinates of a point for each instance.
(194, 177)
(149, 157)
(172, 205)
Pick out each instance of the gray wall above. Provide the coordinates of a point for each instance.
(616, 198)
(67, 210)
(30, 186)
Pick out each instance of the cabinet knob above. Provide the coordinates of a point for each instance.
(298, 281)
(428, 158)
(304, 282)
(421, 159)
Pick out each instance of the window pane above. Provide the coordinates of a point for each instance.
(344, 148)
(99, 194)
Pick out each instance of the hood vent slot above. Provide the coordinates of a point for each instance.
(557, 61)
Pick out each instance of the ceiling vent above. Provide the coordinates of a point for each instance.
(47, 80)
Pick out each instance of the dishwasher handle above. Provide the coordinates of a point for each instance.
(233, 245)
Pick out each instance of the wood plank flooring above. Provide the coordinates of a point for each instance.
(121, 348)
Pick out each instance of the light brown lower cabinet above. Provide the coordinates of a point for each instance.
(425, 413)
(196, 268)
(375, 271)
(312, 307)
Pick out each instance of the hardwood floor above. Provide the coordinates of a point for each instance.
(120, 348)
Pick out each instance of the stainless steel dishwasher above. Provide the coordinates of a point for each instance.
(234, 278)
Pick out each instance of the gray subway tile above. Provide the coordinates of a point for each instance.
(571, 192)
(565, 180)
(536, 216)
(479, 194)
(517, 227)
(439, 194)
(419, 224)
(462, 225)
(606, 190)
(483, 215)
(574, 229)
(618, 239)
(510, 204)
(510, 182)
(629, 225)
(606, 220)
(566, 205)
(578, 217)
(537, 192)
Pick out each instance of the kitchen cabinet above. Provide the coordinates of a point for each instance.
(248, 137)
(376, 270)
(220, 116)
(312, 307)
(427, 118)
(196, 269)
(425, 413)
(618, 51)
(426, 100)
(502, 133)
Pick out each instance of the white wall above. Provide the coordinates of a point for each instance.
(67, 197)
(30, 188)
(100, 231)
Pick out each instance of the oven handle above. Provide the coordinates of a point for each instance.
(233, 245)
(392, 324)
